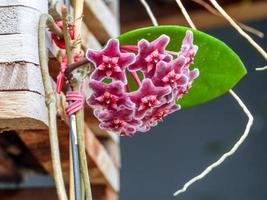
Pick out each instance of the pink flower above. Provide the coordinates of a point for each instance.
(121, 121)
(171, 73)
(110, 62)
(157, 115)
(165, 81)
(149, 54)
(191, 74)
(109, 96)
(188, 49)
(148, 97)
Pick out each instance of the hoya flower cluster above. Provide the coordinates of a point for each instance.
(167, 77)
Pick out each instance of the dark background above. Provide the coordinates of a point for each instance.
(157, 163)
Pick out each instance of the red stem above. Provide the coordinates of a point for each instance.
(136, 78)
(134, 48)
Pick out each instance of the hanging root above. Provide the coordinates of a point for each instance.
(237, 144)
(245, 27)
(150, 13)
(226, 155)
(187, 17)
(51, 105)
(241, 104)
(240, 31)
(261, 68)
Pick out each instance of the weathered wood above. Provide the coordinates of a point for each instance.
(88, 39)
(19, 47)
(99, 19)
(21, 76)
(100, 192)
(22, 110)
(40, 5)
(113, 149)
(103, 192)
(18, 19)
(105, 165)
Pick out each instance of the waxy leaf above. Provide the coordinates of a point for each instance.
(220, 67)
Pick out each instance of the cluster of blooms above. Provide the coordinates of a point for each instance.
(166, 79)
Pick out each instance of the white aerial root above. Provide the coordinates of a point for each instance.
(149, 12)
(240, 31)
(186, 15)
(239, 101)
(236, 145)
(213, 10)
(261, 68)
(226, 155)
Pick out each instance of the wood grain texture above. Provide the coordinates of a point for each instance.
(18, 19)
(19, 47)
(100, 20)
(22, 110)
(88, 39)
(113, 150)
(39, 5)
(21, 76)
(100, 192)
(109, 173)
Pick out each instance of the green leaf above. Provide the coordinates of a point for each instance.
(220, 67)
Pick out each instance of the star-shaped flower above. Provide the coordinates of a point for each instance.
(121, 122)
(188, 49)
(109, 96)
(110, 62)
(157, 115)
(148, 97)
(171, 73)
(191, 75)
(149, 54)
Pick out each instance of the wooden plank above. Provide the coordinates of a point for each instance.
(100, 192)
(18, 19)
(113, 150)
(99, 155)
(40, 5)
(19, 47)
(88, 39)
(22, 110)
(204, 19)
(21, 76)
(99, 19)
(103, 192)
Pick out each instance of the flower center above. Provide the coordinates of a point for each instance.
(148, 102)
(109, 65)
(153, 58)
(108, 99)
(118, 123)
(171, 79)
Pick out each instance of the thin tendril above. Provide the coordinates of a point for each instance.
(239, 30)
(234, 148)
(149, 12)
(236, 145)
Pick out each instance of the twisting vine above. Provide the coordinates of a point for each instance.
(51, 105)
(241, 104)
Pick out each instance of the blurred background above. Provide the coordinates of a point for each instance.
(157, 163)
